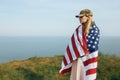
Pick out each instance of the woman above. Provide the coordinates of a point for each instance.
(82, 52)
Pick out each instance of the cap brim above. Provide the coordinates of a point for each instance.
(80, 15)
(77, 16)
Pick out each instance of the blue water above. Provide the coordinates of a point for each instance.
(110, 45)
(20, 48)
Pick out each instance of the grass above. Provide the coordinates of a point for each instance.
(47, 68)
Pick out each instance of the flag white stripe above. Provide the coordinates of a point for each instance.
(68, 66)
(80, 34)
(63, 65)
(91, 66)
(79, 48)
(91, 77)
(91, 55)
(67, 58)
(72, 51)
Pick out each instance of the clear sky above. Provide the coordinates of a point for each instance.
(56, 17)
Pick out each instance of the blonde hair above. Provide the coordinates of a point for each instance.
(88, 13)
(88, 25)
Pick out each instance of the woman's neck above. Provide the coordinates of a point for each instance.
(83, 24)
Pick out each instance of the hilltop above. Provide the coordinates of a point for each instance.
(47, 68)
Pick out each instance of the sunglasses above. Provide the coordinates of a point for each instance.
(81, 16)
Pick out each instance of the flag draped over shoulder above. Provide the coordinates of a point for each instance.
(79, 45)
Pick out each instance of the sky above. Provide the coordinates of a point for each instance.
(56, 17)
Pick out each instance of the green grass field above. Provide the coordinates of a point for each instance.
(47, 68)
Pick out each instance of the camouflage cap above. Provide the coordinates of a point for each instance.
(85, 12)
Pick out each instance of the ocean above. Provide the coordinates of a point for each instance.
(20, 48)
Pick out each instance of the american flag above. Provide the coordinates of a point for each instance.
(79, 45)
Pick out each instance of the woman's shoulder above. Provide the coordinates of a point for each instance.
(94, 26)
(96, 29)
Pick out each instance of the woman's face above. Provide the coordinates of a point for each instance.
(83, 19)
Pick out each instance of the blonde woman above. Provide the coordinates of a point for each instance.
(82, 52)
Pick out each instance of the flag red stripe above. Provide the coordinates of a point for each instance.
(91, 71)
(89, 61)
(74, 47)
(66, 70)
(69, 54)
(84, 46)
(65, 61)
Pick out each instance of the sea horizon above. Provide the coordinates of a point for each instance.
(23, 47)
